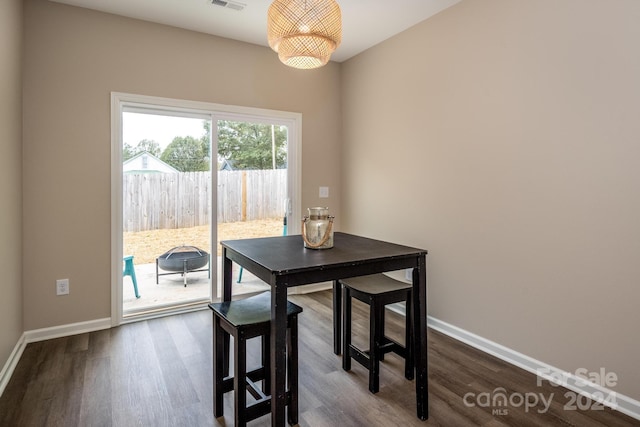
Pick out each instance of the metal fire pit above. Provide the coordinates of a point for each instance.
(182, 260)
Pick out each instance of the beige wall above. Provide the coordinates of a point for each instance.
(74, 59)
(10, 176)
(507, 134)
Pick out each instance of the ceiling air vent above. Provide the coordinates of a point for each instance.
(228, 4)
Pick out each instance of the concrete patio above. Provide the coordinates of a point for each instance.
(171, 290)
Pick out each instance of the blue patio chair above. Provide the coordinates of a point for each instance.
(130, 271)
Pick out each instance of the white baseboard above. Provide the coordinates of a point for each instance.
(621, 403)
(67, 330)
(12, 362)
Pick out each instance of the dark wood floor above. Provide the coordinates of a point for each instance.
(159, 373)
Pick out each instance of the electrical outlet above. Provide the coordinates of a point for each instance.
(324, 192)
(62, 287)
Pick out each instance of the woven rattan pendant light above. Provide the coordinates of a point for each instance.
(304, 32)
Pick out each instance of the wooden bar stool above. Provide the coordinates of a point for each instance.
(377, 291)
(245, 319)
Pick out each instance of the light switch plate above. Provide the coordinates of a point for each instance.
(324, 192)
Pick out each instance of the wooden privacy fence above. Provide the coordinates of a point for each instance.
(181, 200)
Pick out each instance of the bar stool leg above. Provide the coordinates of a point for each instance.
(408, 340)
(375, 340)
(226, 346)
(383, 320)
(346, 329)
(218, 368)
(239, 379)
(266, 364)
(292, 374)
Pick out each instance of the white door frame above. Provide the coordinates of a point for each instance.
(214, 112)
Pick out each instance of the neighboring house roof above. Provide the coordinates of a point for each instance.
(146, 162)
(229, 165)
(226, 165)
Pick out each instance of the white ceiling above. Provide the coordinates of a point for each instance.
(365, 23)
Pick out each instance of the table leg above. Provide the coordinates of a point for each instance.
(337, 317)
(420, 337)
(278, 353)
(227, 271)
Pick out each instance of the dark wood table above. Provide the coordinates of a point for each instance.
(283, 262)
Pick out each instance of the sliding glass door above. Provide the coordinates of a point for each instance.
(252, 184)
(167, 194)
(185, 176)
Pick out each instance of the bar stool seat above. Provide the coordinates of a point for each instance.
(377, 291)
(245, 319)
